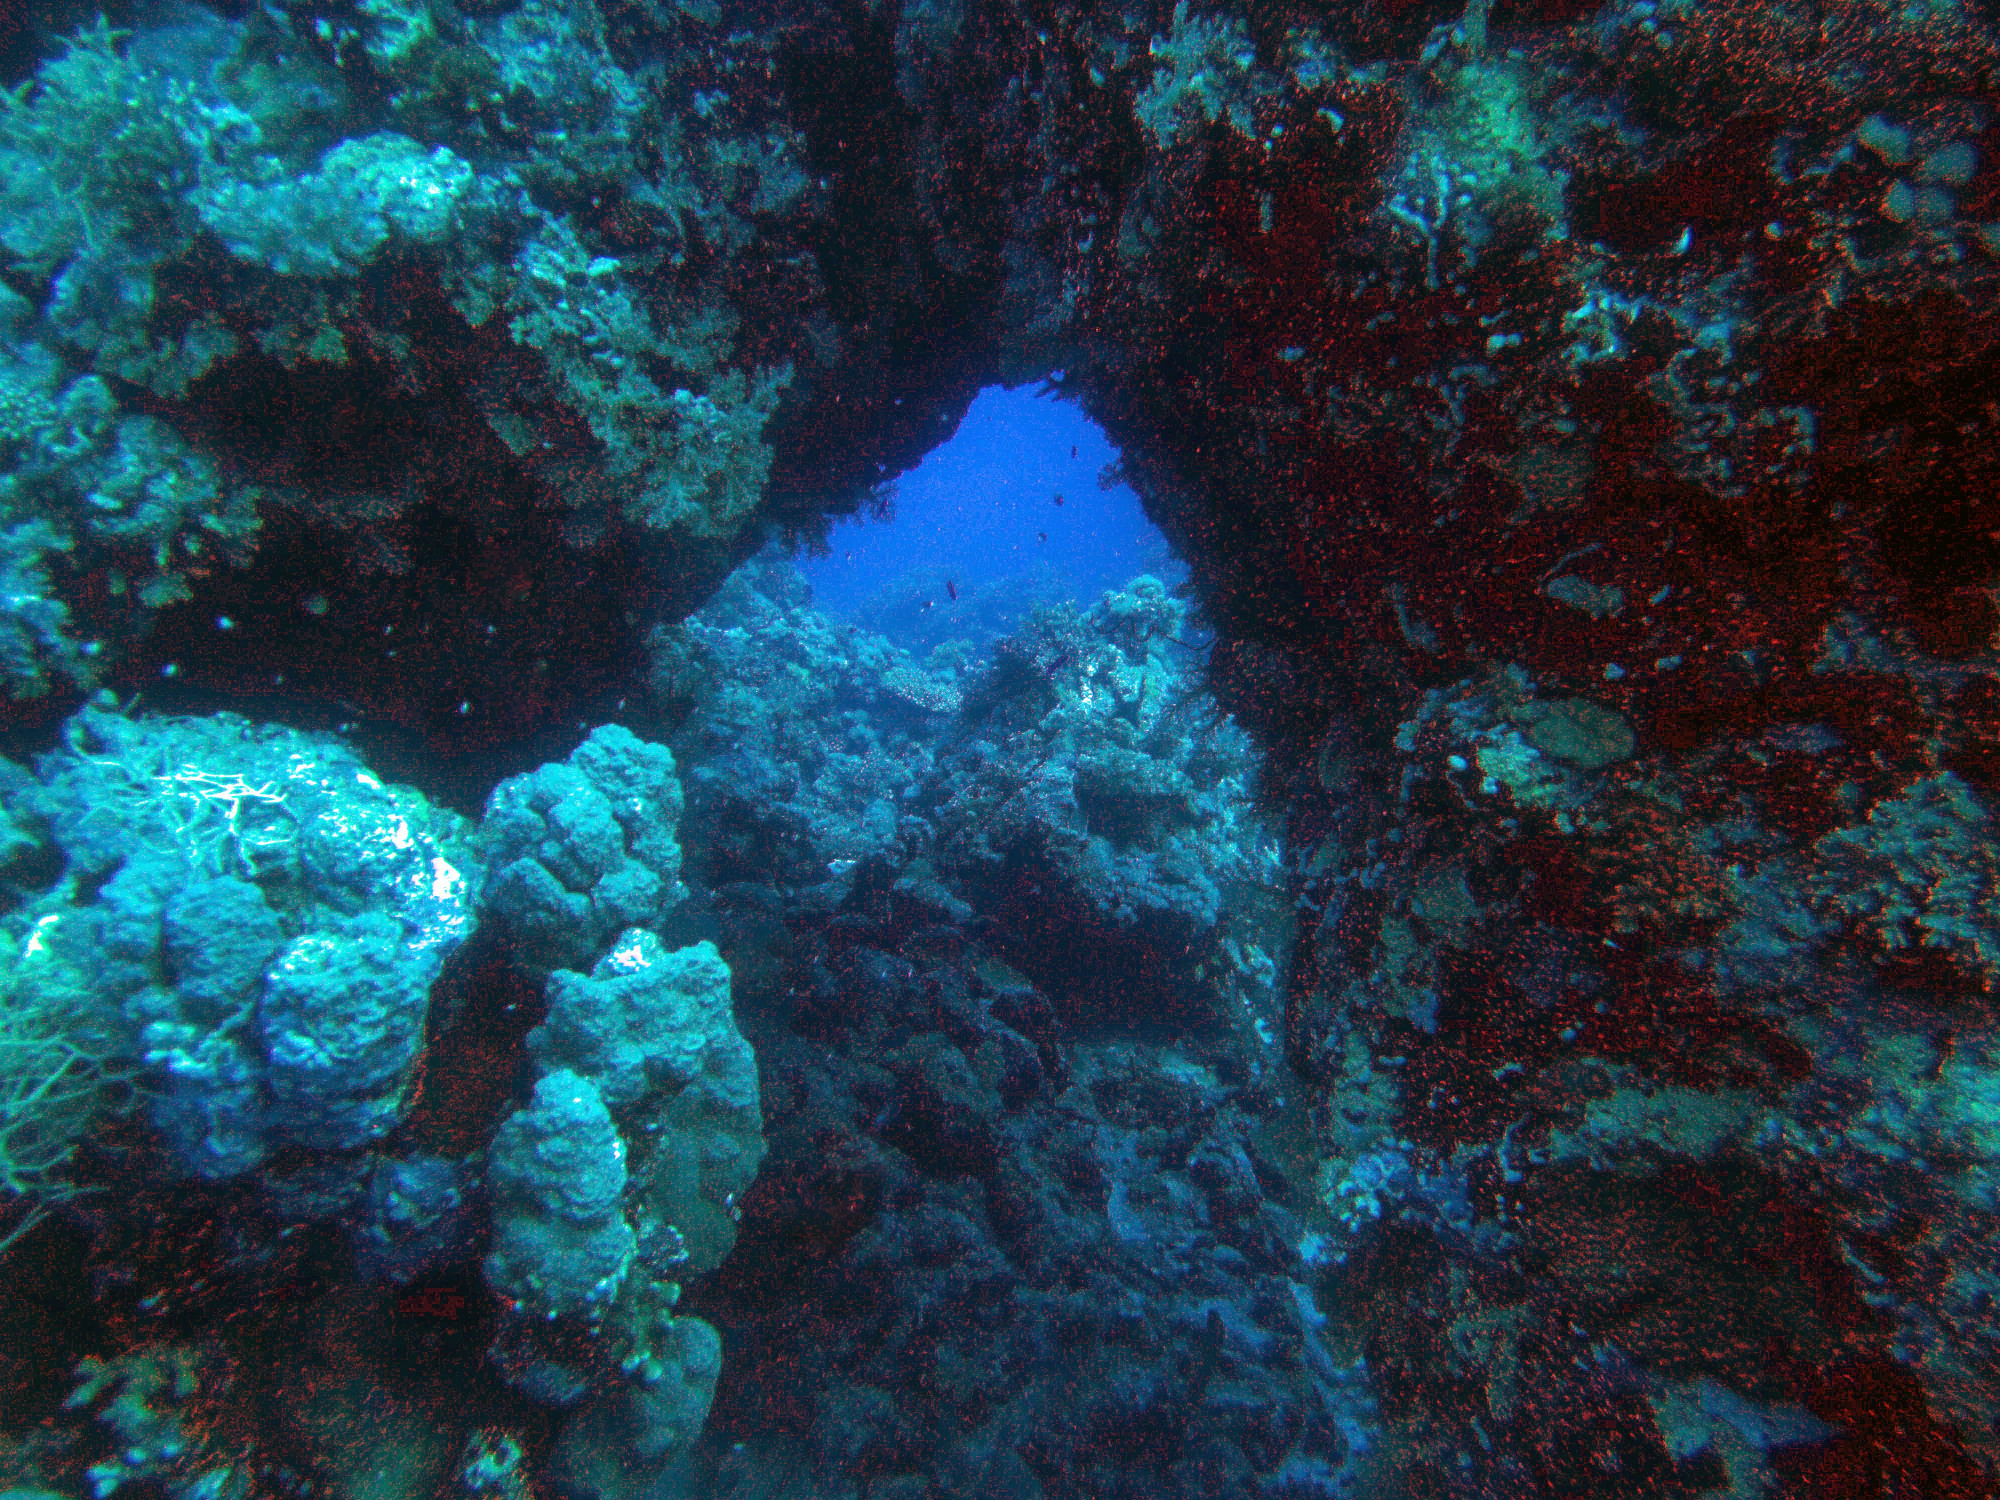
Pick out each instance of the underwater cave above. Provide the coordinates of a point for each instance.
(1040, 749)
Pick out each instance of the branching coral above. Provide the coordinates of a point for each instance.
(59, 1066)
(692, 459)
(87, 154)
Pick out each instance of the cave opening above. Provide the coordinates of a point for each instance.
(1025, 504)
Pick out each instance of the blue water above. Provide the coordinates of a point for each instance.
(979, 517)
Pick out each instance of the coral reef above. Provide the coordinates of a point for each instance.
(1487, 990)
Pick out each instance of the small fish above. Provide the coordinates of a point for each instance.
(1041, 536)
(927, 603)
(1072, 450)
(951, 588)
(1059, 497)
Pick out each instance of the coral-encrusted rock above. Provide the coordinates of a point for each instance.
(653, 1032)
(580, 850)
(920, 690)
(264, 915)
(557, 1169)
